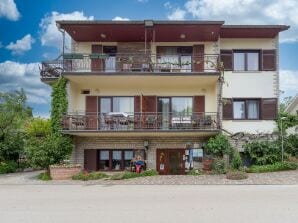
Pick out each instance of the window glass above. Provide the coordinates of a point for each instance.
(104, 162)
(128, 156)
(197, 154)
(116, 160)
(123, 104)
(239, 109)
(253, 61)
(105, 105)
(182, 105)
(239, 61)
(253, 109)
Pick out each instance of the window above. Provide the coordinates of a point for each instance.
(118, 159)
(246, 60)
(246, 109)
(239, 109)
(123, 104)
(104, 160)
(182, 105)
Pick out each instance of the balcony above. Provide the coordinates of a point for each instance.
(140, 122)
(130, 64)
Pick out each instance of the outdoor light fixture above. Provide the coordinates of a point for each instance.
(146, 144)
(182, 36)
(102, 35)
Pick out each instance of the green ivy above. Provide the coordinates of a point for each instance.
(59, 104)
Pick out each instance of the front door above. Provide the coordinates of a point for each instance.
(170, 161)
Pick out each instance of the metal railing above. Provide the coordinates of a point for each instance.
(123, 121)
(130, 63)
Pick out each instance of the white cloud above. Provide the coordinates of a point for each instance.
(50, 35)
(14, 76)
(289, 82)
(118, 18)
(177, 14)
(8, 9)
(21, 45)
(242, 12)
(143, 1)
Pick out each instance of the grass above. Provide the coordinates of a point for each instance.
(273, 167)
(44, 176)
(194, 172)
(89, 176)
(129, 175)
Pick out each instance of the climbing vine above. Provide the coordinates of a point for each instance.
(59, 104)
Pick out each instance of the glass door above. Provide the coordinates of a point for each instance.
(164, 112)
(105, 108)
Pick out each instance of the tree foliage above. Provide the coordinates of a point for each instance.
(219, 145)
(13, 114)
(59, 104)
(38, 127)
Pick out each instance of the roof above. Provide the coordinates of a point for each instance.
(163, 30)
(292, 105)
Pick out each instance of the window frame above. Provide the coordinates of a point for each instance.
(170, 102)
(112, 102)
(245, 100)
(246, 60)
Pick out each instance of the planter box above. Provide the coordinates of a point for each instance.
(64, 172)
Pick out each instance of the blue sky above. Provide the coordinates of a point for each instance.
(29, 34)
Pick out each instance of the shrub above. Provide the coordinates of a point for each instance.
(195, 172)
(273, 167)
(291, 145)
(219, 145)
(263, 152)
(236, 175)
(89, 176)
(236, 163)
(38, 127)
(43, 152)
(218, 166)
(8, 166)
(44, 176)
(128, 175)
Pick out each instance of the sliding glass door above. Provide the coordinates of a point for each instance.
(164, 112)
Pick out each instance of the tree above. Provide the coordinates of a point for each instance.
(13, 114)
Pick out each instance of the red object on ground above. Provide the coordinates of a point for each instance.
(138, 168)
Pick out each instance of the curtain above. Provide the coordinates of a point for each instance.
(239, 109)
(123, 104)
(253, 109)
(116, 155)
(110, 64)
(104, 155)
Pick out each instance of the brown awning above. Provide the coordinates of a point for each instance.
(251, 31)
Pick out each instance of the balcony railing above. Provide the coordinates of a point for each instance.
(122, 121)
(130, 63)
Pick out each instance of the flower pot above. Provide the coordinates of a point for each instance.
(207, 164)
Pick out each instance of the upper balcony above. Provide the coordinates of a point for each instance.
(138, 63)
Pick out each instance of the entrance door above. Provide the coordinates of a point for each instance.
(170, 161)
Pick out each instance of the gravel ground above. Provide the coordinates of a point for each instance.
(276, 178)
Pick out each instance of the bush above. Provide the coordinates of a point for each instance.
(89, 176)
(263, 152)
(273, 167)
(8, 166)
(195, 172)
(291, 145)
(43, 152)
(218, 166)
(219, 145)
(236, 175)
(38, 127)
(128, 175)
(44, 176)
(236, 163)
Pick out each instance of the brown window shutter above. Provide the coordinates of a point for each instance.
(91, 112)
(97, 64)
(269, 108)
(198, 58)
(199, 104)
(227, 109)
(90, 160)
(137, 104)
(149, 103)
(226, 57)
(268, 60)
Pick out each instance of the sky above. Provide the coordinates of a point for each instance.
(29, 34)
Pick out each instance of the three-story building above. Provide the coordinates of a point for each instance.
(157, 90)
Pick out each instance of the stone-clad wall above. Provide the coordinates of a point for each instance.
(82, 143)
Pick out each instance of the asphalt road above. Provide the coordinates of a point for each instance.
(147, 203)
